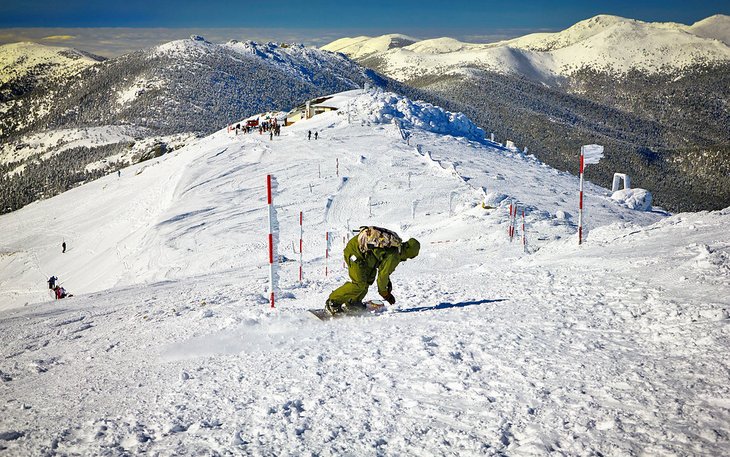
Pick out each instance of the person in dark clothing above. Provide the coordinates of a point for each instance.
(316, 134)
(63, 245)
(52, 282)
(309, 135)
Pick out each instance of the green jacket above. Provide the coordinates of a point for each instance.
(383, 259)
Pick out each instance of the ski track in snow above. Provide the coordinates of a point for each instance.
(614, 348)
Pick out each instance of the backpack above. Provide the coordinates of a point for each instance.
(371, 237)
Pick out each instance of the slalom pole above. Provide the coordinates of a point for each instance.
(301, 243)
(326, 252)
(509, 229)
(580, 200)
(337, 166)
(524, 234)
(271, 239)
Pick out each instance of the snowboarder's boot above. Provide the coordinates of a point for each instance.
(332, 308)
(354, 307)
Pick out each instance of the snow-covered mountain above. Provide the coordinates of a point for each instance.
(653, 93)
(31, 61)
(169, 347)
(32, 76)
(363, 46)
(602, 42)
(185, 87)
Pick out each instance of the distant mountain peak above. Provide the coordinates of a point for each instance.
(363, 46)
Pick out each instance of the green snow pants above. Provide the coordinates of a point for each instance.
(362, 276)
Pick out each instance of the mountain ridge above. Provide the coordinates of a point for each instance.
(653, 92)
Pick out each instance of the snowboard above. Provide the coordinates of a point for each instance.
(372, 308)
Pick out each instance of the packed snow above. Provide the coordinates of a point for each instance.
(168, 346)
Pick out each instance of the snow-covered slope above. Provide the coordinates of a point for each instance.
(716, 27)
(168, 345)
(205, 85)
(19, 60)
(602, 42)
(363, 46)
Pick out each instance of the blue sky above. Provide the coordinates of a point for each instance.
(319, 21)
(342, 13)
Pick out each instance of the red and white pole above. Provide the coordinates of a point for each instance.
(301, 243)
(326, 252)
(270, 202)
(580, 202)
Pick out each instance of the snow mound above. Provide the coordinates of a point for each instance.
(384, 107)
(638, 199)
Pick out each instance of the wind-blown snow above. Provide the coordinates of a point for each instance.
(168, 346)
(385, 107)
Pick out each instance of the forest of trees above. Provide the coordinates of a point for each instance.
(670, 135)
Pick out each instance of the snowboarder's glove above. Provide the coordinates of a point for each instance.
(388, 297)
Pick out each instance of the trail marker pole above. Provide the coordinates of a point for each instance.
(319, 170)
(524, 234)
(301, 243)
(580, 199)
(337, 166)
(326, 252)
(590, 153)
(269, 201)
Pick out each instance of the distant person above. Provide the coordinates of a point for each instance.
(316, 135)
(119, 173)
(63, 245)
(60, 292)
(52, 282)
(271, 135)
(309, 135)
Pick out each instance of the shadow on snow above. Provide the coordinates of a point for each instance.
(448, 306)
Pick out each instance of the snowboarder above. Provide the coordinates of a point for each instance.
(63, 245)
(52, 282)
(373, 252)
(316, 134)
(309, 135)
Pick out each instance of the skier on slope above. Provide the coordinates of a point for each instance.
(373, 252)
